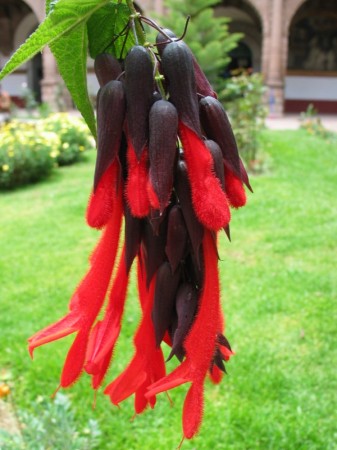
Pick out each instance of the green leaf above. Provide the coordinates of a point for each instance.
(108, 31)
(104, 26)
(48, 6)
(71, 56)
(64, 17)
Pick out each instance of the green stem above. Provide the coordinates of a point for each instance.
(131, 6)
(135, 18)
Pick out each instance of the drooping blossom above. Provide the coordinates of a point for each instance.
(167, 173)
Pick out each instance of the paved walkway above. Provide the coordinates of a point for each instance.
(287, 122)
(8, 420)
(292, 122)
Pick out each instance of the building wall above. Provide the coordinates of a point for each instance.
(267, 25)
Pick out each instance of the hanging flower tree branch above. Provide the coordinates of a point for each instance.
(168, 169)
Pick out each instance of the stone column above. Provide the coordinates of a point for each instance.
(51, 79)
(275, 81)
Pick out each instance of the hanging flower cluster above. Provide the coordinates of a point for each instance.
(167, 163)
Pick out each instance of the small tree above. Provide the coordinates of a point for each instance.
(243, 100)
(207, 35)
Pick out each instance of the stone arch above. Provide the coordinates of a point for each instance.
(38, 8)
(33, 67)
(312, 35)
(25, 27)
(19, 18)
(312, 56)
(292, 9)
(245, 19)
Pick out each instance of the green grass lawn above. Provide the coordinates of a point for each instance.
(279, 295)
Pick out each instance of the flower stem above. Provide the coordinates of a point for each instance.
(135, 23)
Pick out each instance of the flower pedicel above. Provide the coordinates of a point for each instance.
(167, 163)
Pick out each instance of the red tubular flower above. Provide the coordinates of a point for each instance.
(136, 185)
(110, 117)
(147, 365)
(101, 202)
(199, 345)
(234, 189)
(209, 201)
(163, 128)
(174, 201)
(105, 333)
(86, 302)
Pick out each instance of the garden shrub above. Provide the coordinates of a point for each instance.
(51, 425)
(312, 124)
(74, 137)
(208, 35)
(27, 154)
(243, 100)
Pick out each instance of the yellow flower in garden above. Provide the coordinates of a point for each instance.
(54, 154)
(4, 390)
(10, 153)
(65, 145)
(5, 167)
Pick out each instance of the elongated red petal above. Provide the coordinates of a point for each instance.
(179, 376)
(136, 186)
(86, 301)
(206, 325)
(74, 363)
(209, 201)
(215, 374)
(234, 189)
(63, 327)
(95, 284)
(200, 345)
(147, 364)
(127, 382)
(101, 202)
(193, 410)
(106, 332)
(153, 197)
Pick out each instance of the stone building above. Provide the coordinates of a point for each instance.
(292, 42)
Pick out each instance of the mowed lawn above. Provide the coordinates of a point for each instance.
(279, 285)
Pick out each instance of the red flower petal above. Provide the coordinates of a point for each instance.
(209, 201)
(215, 374)
(101, 203)
(63, 327)
(136, 186)
(148, 364)
(106, 331)
(153, 198)
(200, 345)
(193, 410)
(86, 302)
(234, 189)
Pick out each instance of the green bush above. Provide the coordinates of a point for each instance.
(51, 425)
(207, 35)
(74, 136)
(243, 100)
(27, 154)
(312, 124)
